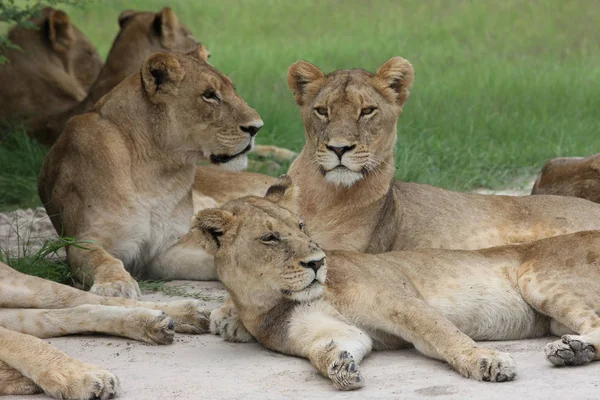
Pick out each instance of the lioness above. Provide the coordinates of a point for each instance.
(332, 307)
(345, 172)
(349, 199)
(121, 174)
(32, 308)
(52, 71)
(570, 176)
(140, 34)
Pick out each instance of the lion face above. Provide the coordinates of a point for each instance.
(350, 116)
(262, 249)
(209, 117)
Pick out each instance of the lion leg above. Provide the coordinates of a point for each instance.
(107, 274)
(57, 374)
(150, 326)
(435, 336)
(12, 382)
(19, 290)
(184, 260)
(278, 153)
(575, 316)
(225, 321)
(333, 346)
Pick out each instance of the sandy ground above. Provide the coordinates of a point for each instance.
(205, 366)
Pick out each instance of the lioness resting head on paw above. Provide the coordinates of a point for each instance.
(51, 72)
(298, 299)
(121, 174)
(349, 198)
(141, 34)
(570, 176)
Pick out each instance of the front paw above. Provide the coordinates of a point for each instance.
(190, 316)
(570, 350)
(491, 366)
(79, 381)
(344, 373)
(226, 323)
(127, 288)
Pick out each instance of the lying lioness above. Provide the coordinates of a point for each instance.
(32, 308)
(51, 71)
(332, 307)
(121, 174)
(571, 176)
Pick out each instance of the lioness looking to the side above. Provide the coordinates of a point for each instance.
(570, 176)
(51, 72)
(121, 174)
(332, 307)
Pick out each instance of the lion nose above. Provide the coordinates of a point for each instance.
(313, 264)
(340, 150)
(253, 128)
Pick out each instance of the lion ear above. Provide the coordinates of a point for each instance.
(161, 74)
(201, 53)
(60, 31)
(396, 76)
(165, 23)
(284, 193)
(301, 75)
(209, 225)
(125, 16)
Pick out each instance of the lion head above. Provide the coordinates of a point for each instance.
(53, 70)
(261, 248)
(350, 116)
(570, 176)
(205, 112)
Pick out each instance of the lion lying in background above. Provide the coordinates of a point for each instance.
(570, 176)
(52, 71)
(333, 307)
(140, 34)
(121, 175)
(32, 308)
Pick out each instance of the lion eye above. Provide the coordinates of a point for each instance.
(270, 238)
(321, 111)
(210, 96)
(301, 225)
(367, 111)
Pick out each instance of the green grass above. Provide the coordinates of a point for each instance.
(501, 86)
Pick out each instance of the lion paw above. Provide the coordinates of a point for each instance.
(157, 327)
(344, 373)
(80, 382)
(122, 288)
(494, 366)
(190, 316)
(228, 324)
(570, 350)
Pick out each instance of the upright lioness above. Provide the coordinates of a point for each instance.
(51, 72)
(570, 176)
(140, 34)
(32, 308)
(121, 174)
(345, 172)
(332, 307)
(349, 199)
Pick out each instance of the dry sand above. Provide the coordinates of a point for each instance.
(206, 367)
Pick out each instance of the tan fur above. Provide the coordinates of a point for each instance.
(570, 176)
(141, 34)
(33, 308)
(356, 204)
(121, 175)
(332, 307)
(52, 71)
